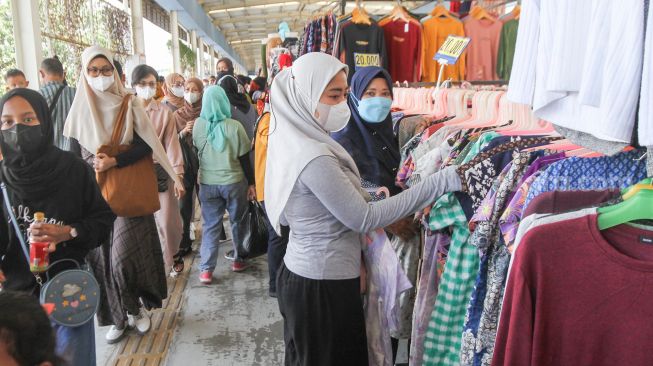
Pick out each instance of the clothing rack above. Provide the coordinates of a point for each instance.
(433, 84)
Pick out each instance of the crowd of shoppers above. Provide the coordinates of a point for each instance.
(304, 147)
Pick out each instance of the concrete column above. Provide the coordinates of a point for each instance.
(27, 35)
(193, 46)
(200, 68)
(174, 31)
(137, 29)
(212, 62)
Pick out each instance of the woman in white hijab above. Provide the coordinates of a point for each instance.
(130, 268)
(312, 184)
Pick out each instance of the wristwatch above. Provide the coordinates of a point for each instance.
(73, 232)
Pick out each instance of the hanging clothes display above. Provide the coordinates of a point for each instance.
(319, 35)
(436, 31)
(599, 94)
(507, 159)
(530, 158)
(483, 49)
(404, 49)
(361, 42)
(506, 51)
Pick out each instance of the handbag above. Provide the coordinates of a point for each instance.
(161, 178)
(130, 191)
(72, 296)
(255, 240)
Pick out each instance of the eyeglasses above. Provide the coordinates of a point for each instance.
(143, 84)
(178, 85)
(94, 71)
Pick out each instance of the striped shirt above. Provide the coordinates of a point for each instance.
(60, 112)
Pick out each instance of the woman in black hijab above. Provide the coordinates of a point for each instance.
(241, 109)
(40, 177)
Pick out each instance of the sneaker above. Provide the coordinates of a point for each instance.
(230, 256)
(239, 266)
(114, 335)
(140, 322)
(206, 277)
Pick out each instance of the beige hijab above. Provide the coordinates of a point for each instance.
(93, 114)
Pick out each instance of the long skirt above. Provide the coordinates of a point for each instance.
(129, 268)
(324, 324)
(169, 224)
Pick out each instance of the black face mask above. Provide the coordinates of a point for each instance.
(220, 75)
(23, 139)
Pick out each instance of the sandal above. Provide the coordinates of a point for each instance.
(178, 265)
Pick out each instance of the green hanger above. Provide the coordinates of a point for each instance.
(636, 207)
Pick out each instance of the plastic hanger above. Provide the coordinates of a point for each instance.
(479, 13)
(631, 191)
(516, 12)
(359, 15)
(637, 207)
(441, 12)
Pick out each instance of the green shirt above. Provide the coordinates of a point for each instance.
(507, 48)
(221, 167)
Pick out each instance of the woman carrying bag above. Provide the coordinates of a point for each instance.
(40, 177)
(130, 267)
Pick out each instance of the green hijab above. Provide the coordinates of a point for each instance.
(215, 109)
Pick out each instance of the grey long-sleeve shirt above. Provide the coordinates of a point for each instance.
(326, 213)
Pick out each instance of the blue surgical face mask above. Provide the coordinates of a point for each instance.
(375, 109)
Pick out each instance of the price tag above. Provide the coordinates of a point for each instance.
(366, 59)
(451, 49)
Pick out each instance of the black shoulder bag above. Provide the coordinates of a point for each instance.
(72, 296)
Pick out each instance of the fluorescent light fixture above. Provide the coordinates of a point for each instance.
(246, 41)
(262, 6)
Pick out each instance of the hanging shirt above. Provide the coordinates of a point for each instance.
(507, 49)
(606, 172)
(577, 295)
(483, 48)
(436, 31)
(362, 45)
(403, 42)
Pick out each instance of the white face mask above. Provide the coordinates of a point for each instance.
(145, 92)
(192, 97)
(178, 91)
(333, 118)
(101, 83)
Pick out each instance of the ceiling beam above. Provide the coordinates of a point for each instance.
(248, 18)
(248, 3)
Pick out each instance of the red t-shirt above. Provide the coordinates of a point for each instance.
(404, 44)
(579, 296)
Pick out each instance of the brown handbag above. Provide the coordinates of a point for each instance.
(130, 191)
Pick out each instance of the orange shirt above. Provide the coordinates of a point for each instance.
(261, 154)
(436, 31)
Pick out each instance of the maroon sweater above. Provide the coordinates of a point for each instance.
(579, 296)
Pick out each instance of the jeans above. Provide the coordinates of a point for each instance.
(215, 199)
(276, 251)
(76, 345)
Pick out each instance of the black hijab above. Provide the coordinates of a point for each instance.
(34, 175)
(230, 85)
(373, 146)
